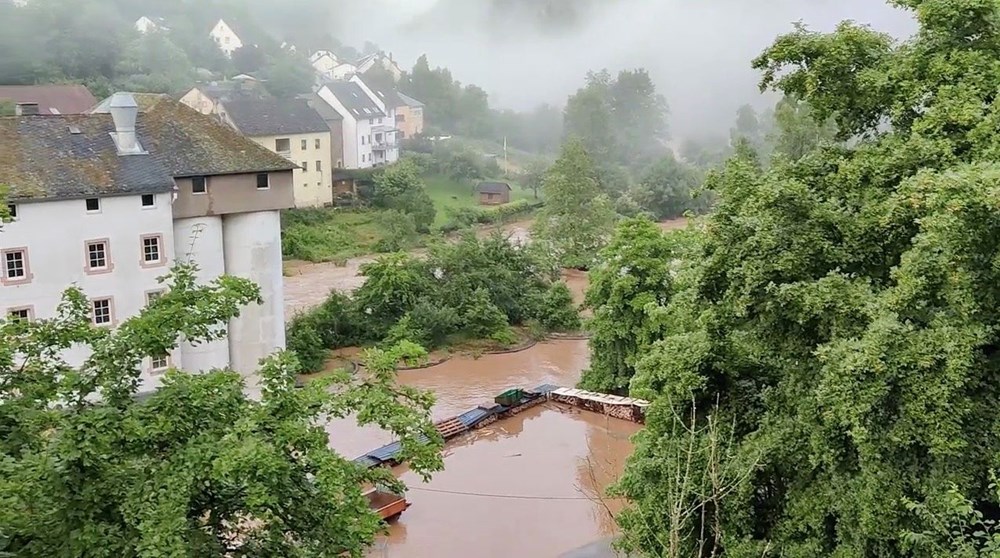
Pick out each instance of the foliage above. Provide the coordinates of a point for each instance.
(197, 468)
(393, 285)
(797, 132)
(633, 278)
(576, 218)
(480, 317)
(399, 187)
(399, 231)
(153, 63)
(287, 75)
(621, 120)
(669, 189)
(557, 312)
(330, 234)
(839, 315)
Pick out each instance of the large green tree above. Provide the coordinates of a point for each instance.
(826, 384)
(669, 188)
(577, 218)
(88, 467)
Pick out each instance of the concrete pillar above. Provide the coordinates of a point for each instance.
(199, 240)
(253, 251)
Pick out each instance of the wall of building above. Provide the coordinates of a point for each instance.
(253, 251)
(410, 120)
(199, 240)
(55, 233)
(226, 38)
(199, 101)
(234, 193)
(312, 183)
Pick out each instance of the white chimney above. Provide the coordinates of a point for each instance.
(124, 110)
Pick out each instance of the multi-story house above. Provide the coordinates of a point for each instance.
(409, 117)
(49, 99)
(208, 98)
(385, 148)
(294, 130)
(109, 200)
(360, 114)
(385, 61)
(225, 37)
(328, 66)
(147, 24)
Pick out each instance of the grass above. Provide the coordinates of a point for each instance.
(337, 234)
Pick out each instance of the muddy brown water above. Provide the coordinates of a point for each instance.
(532, 485)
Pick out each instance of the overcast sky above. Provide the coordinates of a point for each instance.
(697, 51)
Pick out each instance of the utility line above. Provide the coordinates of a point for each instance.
(505, 496)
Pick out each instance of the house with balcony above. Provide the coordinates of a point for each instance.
(385, 147)
(360, 114)
(294, 130)
(110, 199)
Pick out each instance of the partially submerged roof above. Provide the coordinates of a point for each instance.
(268, 117)
(189, 143)
(354, 99)
(488, 187)
(51, 99)
(73, 156)
(409, 101)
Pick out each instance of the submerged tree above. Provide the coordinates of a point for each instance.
(197, 468)
(840, 320)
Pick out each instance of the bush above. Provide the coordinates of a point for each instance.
(504, 336)
(302, 337)
(558, 312)
(399, 187)
(399, 229)
(437, 321)
(481, 318)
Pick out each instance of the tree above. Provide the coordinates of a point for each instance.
(797, 132)
(400, 187)
(153, 63)
(839, 319)
(196, 468)
(669, 189)
(587, 117)
(288, 75)
(577, 218)
(533, 174)
(248, 59)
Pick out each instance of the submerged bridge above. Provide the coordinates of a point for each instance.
(512, 402)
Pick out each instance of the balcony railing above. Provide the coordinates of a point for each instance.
(384, 146)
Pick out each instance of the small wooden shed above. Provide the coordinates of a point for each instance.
(493, 193)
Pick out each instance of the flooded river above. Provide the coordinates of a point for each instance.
(531, 485)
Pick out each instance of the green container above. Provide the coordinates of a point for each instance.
(510, 398)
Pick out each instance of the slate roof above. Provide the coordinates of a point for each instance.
(409, 101)
(389, 97)
(66, 99)
(42, 158)
(269, 117)
(492, 187)
(354, 99)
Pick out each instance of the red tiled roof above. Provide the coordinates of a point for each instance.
(66, 99)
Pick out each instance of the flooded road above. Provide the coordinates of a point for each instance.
(530, 485)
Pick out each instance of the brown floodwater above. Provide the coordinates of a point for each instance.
(531, 485)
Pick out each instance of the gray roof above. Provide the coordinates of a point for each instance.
(492, 187)
(269, 117)
(409, 101)
(388, 97)
(74, 156)
(354, 99)
(189, 143)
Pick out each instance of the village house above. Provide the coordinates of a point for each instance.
(385, 147)
(493, 193)
(409, 117)
(209, 98)
(384, 61)
(48, 99)
(225, 37)
(329, 67)
(360, 114)
(110, 200)
(147, 24)
(294, 130)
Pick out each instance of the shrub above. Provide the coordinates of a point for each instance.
(302, 337)
(558, 312)
(399, 229)
(504, 336)
(437, 321)
(481, 318)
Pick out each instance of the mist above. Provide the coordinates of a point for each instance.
(698, 52)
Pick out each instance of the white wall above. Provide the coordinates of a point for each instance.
(54, 234)
(253, 251)
(198, 240)
(353, 129)
(225, 37)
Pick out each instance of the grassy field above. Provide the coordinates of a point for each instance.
(335, 235)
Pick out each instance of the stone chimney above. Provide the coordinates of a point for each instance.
(124, 111)
(26, 109)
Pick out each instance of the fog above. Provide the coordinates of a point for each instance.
(697, 51)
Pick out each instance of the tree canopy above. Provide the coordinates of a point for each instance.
(825, 380)
(89, 467)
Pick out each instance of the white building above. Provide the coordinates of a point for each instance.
(381, 59)
(360, 114)
(225, 37)
(114, 198)
(384, 138)
(145, 25)
(329, 67)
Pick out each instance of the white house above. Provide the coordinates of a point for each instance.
(360, 115)
(383, 139)
(385, 61)
(225, 37)
(145, 25)
(109, 201)
(329, 67)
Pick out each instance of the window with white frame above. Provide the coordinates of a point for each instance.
(98, 256)
(159, 363)
(15, 264)
(152, 249)
(102, 311)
